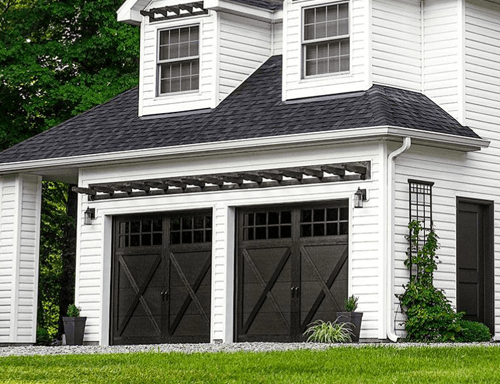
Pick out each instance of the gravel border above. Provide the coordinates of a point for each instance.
(212, 348)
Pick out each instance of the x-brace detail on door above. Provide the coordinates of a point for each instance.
(191, 291)
(325, 285)
(267, 289)
(139, 292)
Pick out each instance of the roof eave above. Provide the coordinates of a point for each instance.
(50, 166)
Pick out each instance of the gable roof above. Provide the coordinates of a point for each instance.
(253, 110)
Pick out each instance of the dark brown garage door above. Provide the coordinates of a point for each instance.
(161, 278)
(291, 269)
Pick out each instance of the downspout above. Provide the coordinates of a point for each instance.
(390, 236)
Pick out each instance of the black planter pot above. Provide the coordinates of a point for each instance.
(74, 329)
(354, 322)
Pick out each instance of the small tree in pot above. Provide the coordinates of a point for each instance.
(74, 326)
(351, 318)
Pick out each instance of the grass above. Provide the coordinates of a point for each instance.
(336, 365)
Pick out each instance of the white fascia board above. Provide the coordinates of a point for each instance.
(243, 10)
(129, 12)
(353, 135)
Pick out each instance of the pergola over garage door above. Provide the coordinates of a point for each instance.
(291, 269)
(161, 278)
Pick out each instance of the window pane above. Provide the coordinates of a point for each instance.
(174, 36)
(320, 31)
(322, 50)
(343, 27)
(184, 50)
(185, 83)
(195, 82)
(331, 28)
(309, 16)
(343, 11)
(184, 34)
(164, 53)
(195, 67)
(344, 63)
(185, 69)
(331, 12)
(194, 34)
(309, 32)
(175, 70)
(193, 49)
(311, 52)
(322, 66)
(165, 86)
(164, 37)
(334, 65)
(344, 47)
(174, 51)
(320, 14)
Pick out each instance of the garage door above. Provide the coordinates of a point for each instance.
(161, 278)
(291, 269)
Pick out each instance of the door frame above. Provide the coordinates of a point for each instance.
(488, 260)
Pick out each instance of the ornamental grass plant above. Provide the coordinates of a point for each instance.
(328, 332)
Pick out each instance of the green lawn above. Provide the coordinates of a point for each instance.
(336, 365)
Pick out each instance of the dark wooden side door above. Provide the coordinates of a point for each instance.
(475, 260)
(161, 278)
(291, 269)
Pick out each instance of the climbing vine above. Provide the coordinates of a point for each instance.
(430, 316)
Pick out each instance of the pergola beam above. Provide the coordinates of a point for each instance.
(230, 181)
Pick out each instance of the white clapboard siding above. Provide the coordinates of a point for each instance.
(396, 44)
(150, 102)
(244, 45)
(20, 202)
(455, 175)
(441, 58)
(482, 91)
(294, 85)
(93, 259)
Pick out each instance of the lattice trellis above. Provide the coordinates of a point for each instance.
(420, 200)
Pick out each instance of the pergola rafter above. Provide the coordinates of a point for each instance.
(175, 11)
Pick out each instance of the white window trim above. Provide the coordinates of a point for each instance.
(158, 62)
(303, 42)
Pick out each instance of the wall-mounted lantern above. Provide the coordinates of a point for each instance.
(359, 197)
(89, 216)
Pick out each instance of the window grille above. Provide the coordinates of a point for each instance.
(420, 199)
(326, 45)
(178, 60)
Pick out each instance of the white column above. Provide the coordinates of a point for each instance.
(20, 210)
(222, 318)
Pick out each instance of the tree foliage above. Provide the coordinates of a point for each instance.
(59, 58)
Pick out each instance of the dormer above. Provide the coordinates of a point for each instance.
(194, 54)
(325, 47)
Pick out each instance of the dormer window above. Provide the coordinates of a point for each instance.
(325, 43)
(178, 60)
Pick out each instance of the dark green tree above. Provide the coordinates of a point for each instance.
(59, 58)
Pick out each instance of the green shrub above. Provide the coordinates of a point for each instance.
(328, 332)
(43, 337)
(472, 331)
(430, 316)
(351, 303)
(73, 311)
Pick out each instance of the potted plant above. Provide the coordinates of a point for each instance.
(350, 317)
(74, 326)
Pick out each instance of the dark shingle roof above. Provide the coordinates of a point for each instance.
(253, 110)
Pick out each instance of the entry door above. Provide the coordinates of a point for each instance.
(161, 279)
(475, 261)
(291, 269)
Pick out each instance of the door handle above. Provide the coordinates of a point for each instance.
(295, 291)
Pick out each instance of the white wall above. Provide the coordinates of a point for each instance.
(294, 86)
(20, 208)
(244, 45)
(365, 258)
(396, 43)
(482, 113)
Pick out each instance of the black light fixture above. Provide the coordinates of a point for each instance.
(89, 216)
(359, 197)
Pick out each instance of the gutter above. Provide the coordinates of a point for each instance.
(390, 236)
(352, 135)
